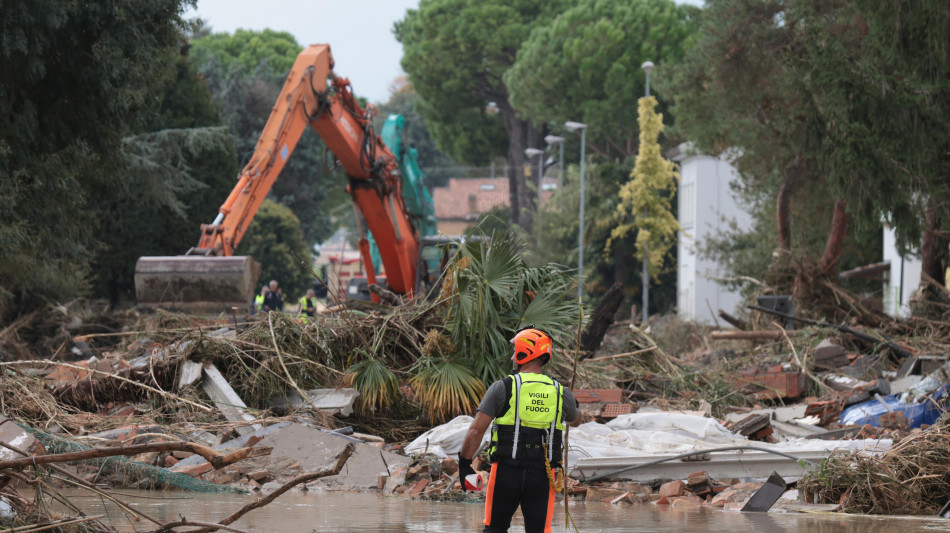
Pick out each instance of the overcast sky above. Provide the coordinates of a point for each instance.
(358, 31)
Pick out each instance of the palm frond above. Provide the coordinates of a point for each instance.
(377, 385)
(494, 294)
(446, 388)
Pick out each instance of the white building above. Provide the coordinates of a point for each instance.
(706, 206)
(904, 277)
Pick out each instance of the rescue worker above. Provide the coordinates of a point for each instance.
(308, 307)
(259, 300)
(272, 300)
(529, 411)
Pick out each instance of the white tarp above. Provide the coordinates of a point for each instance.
(636, 435)
(445, 440)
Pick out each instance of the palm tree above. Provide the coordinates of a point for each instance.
(494, 294)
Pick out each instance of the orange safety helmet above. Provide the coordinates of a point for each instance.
(530, 344)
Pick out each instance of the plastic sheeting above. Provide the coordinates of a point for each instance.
(638, 434)
(870, 412)
(445, 440)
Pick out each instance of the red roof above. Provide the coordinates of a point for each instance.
(466, 198)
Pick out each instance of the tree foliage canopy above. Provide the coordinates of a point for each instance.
(456, 53)
(647, 197)
(273, 240)
(308, 184)
(585, 65)
(249, 50)
(75, 78)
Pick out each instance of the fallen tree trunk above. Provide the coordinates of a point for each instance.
(738, 324)
(216, 458)
(602, 318)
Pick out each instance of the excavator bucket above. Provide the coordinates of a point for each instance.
(196, 283)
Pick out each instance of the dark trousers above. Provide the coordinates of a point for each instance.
(513, 484)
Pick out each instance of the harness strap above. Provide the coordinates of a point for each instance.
(514, 448)
(557, 416)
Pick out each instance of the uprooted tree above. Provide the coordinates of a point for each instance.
(833, 109)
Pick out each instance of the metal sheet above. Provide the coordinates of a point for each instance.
(765, 497)
(745, 464)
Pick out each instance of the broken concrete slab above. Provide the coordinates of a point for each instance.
(234, 444)
(190, 374)
(226, 400)
(313, 449)
(830, 355)
(14, 435)
(331, 401)
(905, 383)
(796, 430)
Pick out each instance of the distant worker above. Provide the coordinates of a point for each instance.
(529, 410)
(272, 300)
(259, 300)
(308, 307)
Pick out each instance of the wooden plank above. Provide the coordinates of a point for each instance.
(747, 335)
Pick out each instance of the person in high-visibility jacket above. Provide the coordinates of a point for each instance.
(529, 411)
(308, 307)
(259, 300)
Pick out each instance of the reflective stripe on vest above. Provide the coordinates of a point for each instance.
(538, 410)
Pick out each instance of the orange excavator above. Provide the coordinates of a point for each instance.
(211, 276)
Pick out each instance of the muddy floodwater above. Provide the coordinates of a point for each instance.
(358, 512)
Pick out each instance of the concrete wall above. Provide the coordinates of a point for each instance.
(904, 277)
(706, 205)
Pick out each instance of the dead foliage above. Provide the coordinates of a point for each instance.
(912, 478)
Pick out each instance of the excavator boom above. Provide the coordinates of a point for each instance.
(314, 97)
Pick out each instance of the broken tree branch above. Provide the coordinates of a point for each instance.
(737, 323)
(761, 335)
(802, 363)
(185, 522)
(890, 345)
(216, 458)
(619, 355)
(280, 358)
(69, 477)
(304, 478)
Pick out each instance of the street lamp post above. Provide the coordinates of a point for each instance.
(554, 139)
(574, 126)
(647, 68)
(531, 152)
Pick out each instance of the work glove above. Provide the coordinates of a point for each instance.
(465, 470)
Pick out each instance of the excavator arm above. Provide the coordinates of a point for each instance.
(311, 97)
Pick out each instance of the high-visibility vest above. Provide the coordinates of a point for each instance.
(533, 418)
(259, 302)
(302, 314)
